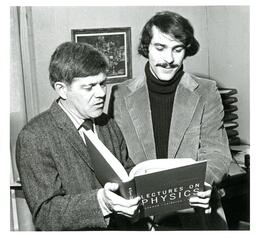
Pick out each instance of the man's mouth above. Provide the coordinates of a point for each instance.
(99, 104)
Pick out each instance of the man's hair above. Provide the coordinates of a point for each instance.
(172, 24)
(72, 60)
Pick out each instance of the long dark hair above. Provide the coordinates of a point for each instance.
(172, 24)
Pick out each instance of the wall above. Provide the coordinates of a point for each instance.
(228, 37)
(52, 26)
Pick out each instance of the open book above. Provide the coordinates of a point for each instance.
(164, 185)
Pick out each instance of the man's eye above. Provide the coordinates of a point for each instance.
(87, 87)
(103, 84)
(178, 50)
(159, 48)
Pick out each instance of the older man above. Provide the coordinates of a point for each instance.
(55, 168)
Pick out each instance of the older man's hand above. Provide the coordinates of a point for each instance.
(118, 204)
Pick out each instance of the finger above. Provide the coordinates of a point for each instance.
(205, 206)
(114, 187)
(204, 194)
(198, 200)
(207, 185)
(128, 212)
(115, 204)
(208, 210)
(123, 206)
(118, 200)
(111, 186)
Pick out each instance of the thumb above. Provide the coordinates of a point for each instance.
(111, 186)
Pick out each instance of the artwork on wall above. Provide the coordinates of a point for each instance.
(115, 43)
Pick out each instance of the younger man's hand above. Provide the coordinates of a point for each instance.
(202, 199)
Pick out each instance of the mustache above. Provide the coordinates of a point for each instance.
(167, 65)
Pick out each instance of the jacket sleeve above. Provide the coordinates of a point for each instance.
(213, 139)
(51, 206)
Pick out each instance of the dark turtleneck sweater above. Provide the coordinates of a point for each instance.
(161, 96)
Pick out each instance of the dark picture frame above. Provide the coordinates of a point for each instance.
(115, 43)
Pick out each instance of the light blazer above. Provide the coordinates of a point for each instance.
(56, 171)
(196, 129)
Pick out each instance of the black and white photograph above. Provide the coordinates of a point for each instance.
(130, 118)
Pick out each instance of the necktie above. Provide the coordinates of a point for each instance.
(87, 124)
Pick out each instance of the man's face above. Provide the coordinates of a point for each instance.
(165, 56)
(86, 96)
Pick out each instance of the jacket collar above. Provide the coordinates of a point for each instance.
(187, 81)
(185, 103)
(138, 105)
(70, 132)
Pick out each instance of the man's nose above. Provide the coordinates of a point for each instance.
(100, 91)
(168, 57)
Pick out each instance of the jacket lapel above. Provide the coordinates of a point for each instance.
(184, 106)
(71, 134)
(138, 106)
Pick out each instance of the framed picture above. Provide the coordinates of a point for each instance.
(115, 43)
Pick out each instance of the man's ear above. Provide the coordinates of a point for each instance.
(61, 89)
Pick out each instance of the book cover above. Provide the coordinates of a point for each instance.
(163, 184)
(170, 190)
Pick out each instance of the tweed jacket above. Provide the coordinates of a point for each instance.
(196, 129)
(56, 170)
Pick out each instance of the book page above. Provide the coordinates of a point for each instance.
(107, 155)
(152, 166)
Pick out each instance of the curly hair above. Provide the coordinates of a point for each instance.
(71, 60)
(172, 24)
